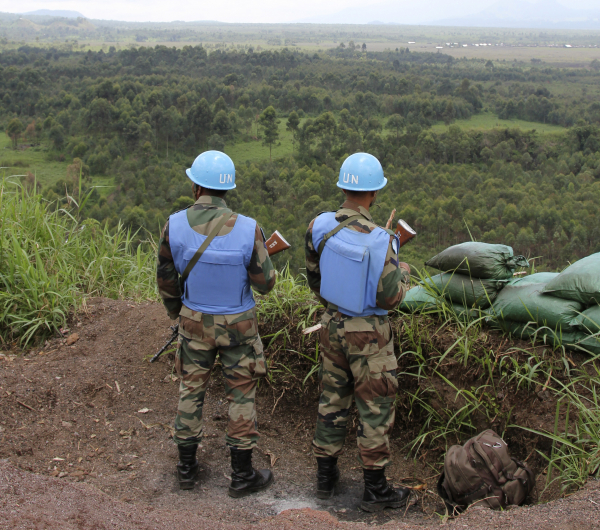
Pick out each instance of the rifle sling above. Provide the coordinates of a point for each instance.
(336, 230)
(226, 216)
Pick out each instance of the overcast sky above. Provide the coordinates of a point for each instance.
(253, 10)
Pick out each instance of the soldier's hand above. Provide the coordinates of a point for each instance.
(404, 266)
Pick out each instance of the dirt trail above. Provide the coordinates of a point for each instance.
(76, 413)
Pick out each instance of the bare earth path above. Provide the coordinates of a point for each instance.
(85, 444)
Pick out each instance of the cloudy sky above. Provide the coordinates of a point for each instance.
(416, 11)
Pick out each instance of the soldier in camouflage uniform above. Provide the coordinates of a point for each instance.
(357, 349)
(217, 315)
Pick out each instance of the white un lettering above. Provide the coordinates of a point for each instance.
(224, 178)
(347, 178)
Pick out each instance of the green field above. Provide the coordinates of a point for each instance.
(31, 160)
(255, 151)
(487, 120)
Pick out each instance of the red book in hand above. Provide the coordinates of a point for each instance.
(404, 232)
(276, 243)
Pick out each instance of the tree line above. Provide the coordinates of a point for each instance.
(142, 115)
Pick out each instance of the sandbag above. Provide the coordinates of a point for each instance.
(579, 282)
(589, 320)
(528, 303)
(466, 313)
(417, 298)
(479, 260)
(572, 340)
(469, 292)
(538, 277)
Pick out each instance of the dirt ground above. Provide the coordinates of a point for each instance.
(85, 430)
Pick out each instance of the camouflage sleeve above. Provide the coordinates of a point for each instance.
(313, 273)
(394, 281)
(167, 277)
(261, 271)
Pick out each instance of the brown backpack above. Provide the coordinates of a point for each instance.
(482, 472)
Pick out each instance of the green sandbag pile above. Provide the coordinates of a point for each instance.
(418, 298)
(588, 321)
(579, 282)
(525, 303)
(560, 309)
(479, 260)
(463, 290)
(573, 340)
(538, 277)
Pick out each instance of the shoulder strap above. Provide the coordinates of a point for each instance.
(336, 230)
(226, 216)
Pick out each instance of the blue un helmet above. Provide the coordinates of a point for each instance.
(213, 170)
(361, 172)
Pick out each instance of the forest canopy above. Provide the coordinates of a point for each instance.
(139, 117)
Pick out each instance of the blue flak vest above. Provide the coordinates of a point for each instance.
(219, 283)
(351, 264)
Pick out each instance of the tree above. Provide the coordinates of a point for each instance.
(30, 131)
(221, 124)
(216, 143)
(270, 125)
(57, 135)
(364, 47)
(220, 105)
(292, 125)
(395, 122)
(14, 130)
(199, 120)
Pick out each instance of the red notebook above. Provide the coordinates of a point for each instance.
(405, 232)
(276, 243)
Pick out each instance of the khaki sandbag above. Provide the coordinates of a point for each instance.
(579, 282)
(479, 260)
(469, 292)
(527, 303)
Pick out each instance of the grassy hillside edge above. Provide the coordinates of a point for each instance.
(457, 377)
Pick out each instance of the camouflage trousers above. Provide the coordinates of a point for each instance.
(357, 363)
(240, 351)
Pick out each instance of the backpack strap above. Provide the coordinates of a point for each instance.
(336, 230)
(226, 216)
(492, 462)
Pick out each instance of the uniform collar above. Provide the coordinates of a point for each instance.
(211, 201)
(350, 205)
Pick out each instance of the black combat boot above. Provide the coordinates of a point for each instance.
(244, 478)
(187, 467)
(378, 493)
(328, 475)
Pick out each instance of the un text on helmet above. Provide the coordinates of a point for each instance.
(348, 178)
(224, 178)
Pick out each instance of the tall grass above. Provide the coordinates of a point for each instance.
(50, 261)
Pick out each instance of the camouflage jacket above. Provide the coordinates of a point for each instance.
(394, 279)
(203, 217)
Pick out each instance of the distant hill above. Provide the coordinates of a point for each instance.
(521, 14)
(475, 13)
(55, 13)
